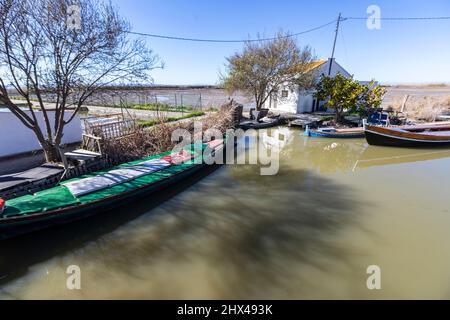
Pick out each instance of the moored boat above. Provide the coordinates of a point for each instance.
(423, 135)
(335, 133)
(262, 124)
(91, 194)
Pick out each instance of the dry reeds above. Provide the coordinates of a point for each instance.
(420, 107)
(144, 142)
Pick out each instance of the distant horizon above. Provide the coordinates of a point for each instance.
(438, 83)
(217, 86)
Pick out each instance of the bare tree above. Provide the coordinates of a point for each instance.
(263, 67)
(43, 51)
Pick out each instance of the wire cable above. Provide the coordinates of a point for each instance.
(286, 36)
(230, 41)
(398, 18)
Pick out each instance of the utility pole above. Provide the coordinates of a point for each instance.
(334, 44)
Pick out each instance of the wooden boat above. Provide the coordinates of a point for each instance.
(424, 135)
(254, 124)
(91, 194)
(335, 133)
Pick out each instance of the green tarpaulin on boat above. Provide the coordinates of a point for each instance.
(41, 201)
(135, 183)
(60, 196)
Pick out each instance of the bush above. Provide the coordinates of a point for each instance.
(156, 139)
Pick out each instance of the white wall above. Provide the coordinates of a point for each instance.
(299, 102)
(16, 138)
(335, 69)
(305, 103)
(288, 104)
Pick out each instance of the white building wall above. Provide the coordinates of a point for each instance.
(288, 104)
(16, 138)
(301, 102)
(305, 103)
(335, 69)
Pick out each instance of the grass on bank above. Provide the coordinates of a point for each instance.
(159, 106)
(149, 123)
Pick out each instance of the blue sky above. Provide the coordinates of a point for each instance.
(400, 52)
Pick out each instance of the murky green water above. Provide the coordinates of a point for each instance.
(311, 231)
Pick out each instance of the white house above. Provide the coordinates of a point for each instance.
(300, 101)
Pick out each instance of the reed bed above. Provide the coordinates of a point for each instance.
(144, 142)
(420, 107)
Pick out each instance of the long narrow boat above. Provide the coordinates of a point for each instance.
(104, 190)
(424, 135)
(335, 133)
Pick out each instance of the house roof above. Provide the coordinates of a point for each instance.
(315, 64)
(308, 67)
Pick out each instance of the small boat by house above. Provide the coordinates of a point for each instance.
(262, 124)
(350, 133)
(91, 194)
(259, 120)
(424, 135)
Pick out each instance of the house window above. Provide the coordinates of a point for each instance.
(284, 93)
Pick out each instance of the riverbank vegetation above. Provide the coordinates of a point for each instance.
(159, 106)
(152, 122)
(420, 106)
(346, 95)
(146, 141)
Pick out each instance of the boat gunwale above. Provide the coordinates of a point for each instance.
(336, 134)
(400, 133)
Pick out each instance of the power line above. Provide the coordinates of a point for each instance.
(230, 41)
(397, 18)
(286, 36)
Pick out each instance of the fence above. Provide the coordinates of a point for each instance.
(109, 126)
(175, 101)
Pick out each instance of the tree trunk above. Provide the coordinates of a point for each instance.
(51, 152)
(259, 106)
(338, 118)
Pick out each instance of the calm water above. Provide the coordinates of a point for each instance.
(334, 208)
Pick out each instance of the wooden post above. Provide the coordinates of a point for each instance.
(181, 101)
(404, 102)
(334, 43)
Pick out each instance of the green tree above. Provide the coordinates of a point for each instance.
(346, 94)
(370, 99)
(340, 93)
